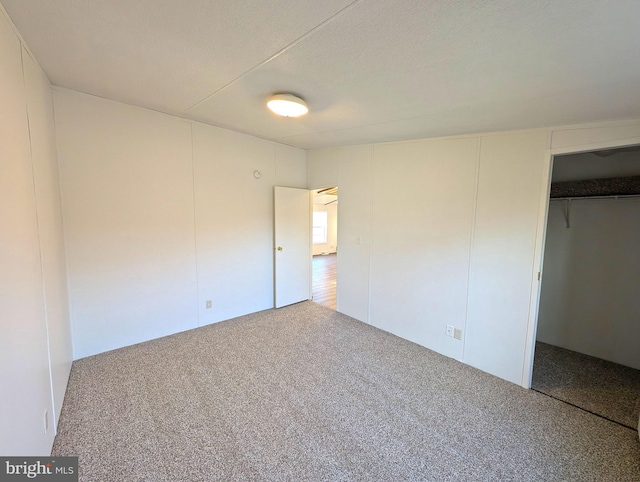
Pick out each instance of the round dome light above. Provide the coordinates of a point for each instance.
(287, 105)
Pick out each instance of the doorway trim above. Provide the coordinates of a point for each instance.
(541, 234)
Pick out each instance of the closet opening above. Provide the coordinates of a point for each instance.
(587, 349)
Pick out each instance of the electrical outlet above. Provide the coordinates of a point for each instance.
(449, 330)
(457, 334)
(46, 421)
(208, 304)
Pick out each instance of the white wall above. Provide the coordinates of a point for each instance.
(391, 261)
(354, 230)
(35, 349)
(332, 229)
(127, 190)
(50, 227)
(504, 264)
(323, 168)
(421, 234)
(291, 168)
(234, 221)
(448, 238)
(590, 296)
(161, 215)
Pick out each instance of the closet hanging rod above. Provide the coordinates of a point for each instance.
(615, 197)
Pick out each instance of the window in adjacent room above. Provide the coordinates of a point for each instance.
(319, 227)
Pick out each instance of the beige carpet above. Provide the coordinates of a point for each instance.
(305, 393)
(599, 386)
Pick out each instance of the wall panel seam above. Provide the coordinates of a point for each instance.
(195, 224)
(472, 233)
(37, 219)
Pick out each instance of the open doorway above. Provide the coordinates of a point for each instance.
(325, 246)
(587, 349)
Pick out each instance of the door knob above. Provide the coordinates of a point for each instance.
(279, 248)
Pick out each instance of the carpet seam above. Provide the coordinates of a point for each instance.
(585, 410)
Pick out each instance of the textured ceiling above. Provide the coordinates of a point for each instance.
(370, 70)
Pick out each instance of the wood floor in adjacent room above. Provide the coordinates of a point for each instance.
(324, 280)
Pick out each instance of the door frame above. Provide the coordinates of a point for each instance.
(541, 234)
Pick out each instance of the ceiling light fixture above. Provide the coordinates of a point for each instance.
(287, 105)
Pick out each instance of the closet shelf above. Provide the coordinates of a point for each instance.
(582, 198)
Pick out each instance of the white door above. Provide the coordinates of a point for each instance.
(292, 245)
